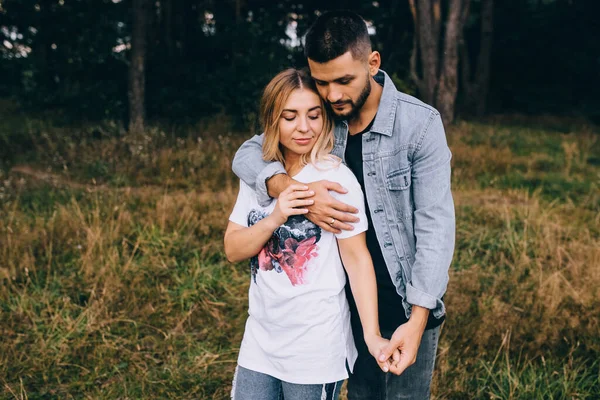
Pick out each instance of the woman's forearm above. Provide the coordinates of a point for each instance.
(244, 243)
(361, 274)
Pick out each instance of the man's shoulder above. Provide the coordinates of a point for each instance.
(413, 104)
(410, 105)
(413, 116)
(404, 104)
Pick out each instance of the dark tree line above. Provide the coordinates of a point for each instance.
(181, 60)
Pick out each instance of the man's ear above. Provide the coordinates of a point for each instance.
(374, 63)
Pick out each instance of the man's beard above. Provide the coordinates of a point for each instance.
(355, 106)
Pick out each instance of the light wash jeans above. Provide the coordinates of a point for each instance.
(252, 385)
(368, 382)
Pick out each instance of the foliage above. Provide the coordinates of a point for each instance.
(206, 57)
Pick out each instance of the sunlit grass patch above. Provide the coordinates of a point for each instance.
(102, 297)
(516, 376)
(561, 166)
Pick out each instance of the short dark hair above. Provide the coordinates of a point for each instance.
(335, 33)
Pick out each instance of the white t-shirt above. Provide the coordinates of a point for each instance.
(298, 328)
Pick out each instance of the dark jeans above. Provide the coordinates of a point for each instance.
(252, 385)
(369, 382)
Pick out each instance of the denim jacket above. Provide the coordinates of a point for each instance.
(406, 167)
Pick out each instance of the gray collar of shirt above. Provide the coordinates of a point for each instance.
(386, 113)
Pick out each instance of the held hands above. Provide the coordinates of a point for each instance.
(292, 201)
(376, 345)
(406, 339)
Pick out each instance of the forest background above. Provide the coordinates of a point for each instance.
(118, 123)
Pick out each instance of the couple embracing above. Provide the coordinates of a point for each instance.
(346, 215)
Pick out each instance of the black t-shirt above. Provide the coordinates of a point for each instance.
(391, 311)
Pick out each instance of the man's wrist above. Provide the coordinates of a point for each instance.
(277, 184)
(419, 316)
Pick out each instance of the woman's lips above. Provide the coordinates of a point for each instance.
(303, 141)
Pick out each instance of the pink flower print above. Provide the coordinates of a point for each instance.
(295, 257)
(264, 260)
(267, 255)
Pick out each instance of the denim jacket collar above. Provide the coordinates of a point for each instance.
(386, 113)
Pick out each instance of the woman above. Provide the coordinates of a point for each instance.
(298, 343)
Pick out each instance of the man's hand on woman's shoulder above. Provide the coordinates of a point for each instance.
(327, 212)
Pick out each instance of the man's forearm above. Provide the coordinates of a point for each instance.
(248, 162)
(249, 166)
(433, 219)
(419, 316)
(277, 184)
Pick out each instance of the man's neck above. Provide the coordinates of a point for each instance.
(368, 110)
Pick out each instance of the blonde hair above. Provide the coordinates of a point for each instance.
(273, 100)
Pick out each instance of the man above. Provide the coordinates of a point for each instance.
(396, 147)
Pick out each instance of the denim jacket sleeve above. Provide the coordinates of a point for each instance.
(249, 166)
(434, 220)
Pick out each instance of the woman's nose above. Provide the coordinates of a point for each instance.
(302, 125)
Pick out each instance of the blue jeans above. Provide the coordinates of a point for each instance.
(252, 385)
(368, 382)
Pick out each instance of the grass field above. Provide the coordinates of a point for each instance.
(114, 285)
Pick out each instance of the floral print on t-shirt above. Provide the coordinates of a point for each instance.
(290, 248)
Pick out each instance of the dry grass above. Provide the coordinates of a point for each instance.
(113, 283)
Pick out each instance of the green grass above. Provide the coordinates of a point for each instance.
(113, 282)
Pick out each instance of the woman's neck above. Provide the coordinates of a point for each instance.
(293, 163)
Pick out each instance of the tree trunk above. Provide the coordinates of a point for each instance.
(438, 81)
(137, 74)
(168, 18)
(483, 62)
(448, 83)
(238, 11)
(429, 50)
(475, 88)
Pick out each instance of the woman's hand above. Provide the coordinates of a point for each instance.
(292, 202)
(376, 344)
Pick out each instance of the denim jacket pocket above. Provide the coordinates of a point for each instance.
(399, 180)
(398, 184)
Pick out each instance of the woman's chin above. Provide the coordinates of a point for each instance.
(300, 150)
(303, 151)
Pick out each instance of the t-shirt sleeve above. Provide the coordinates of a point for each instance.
(354, 198)
(239, 215)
